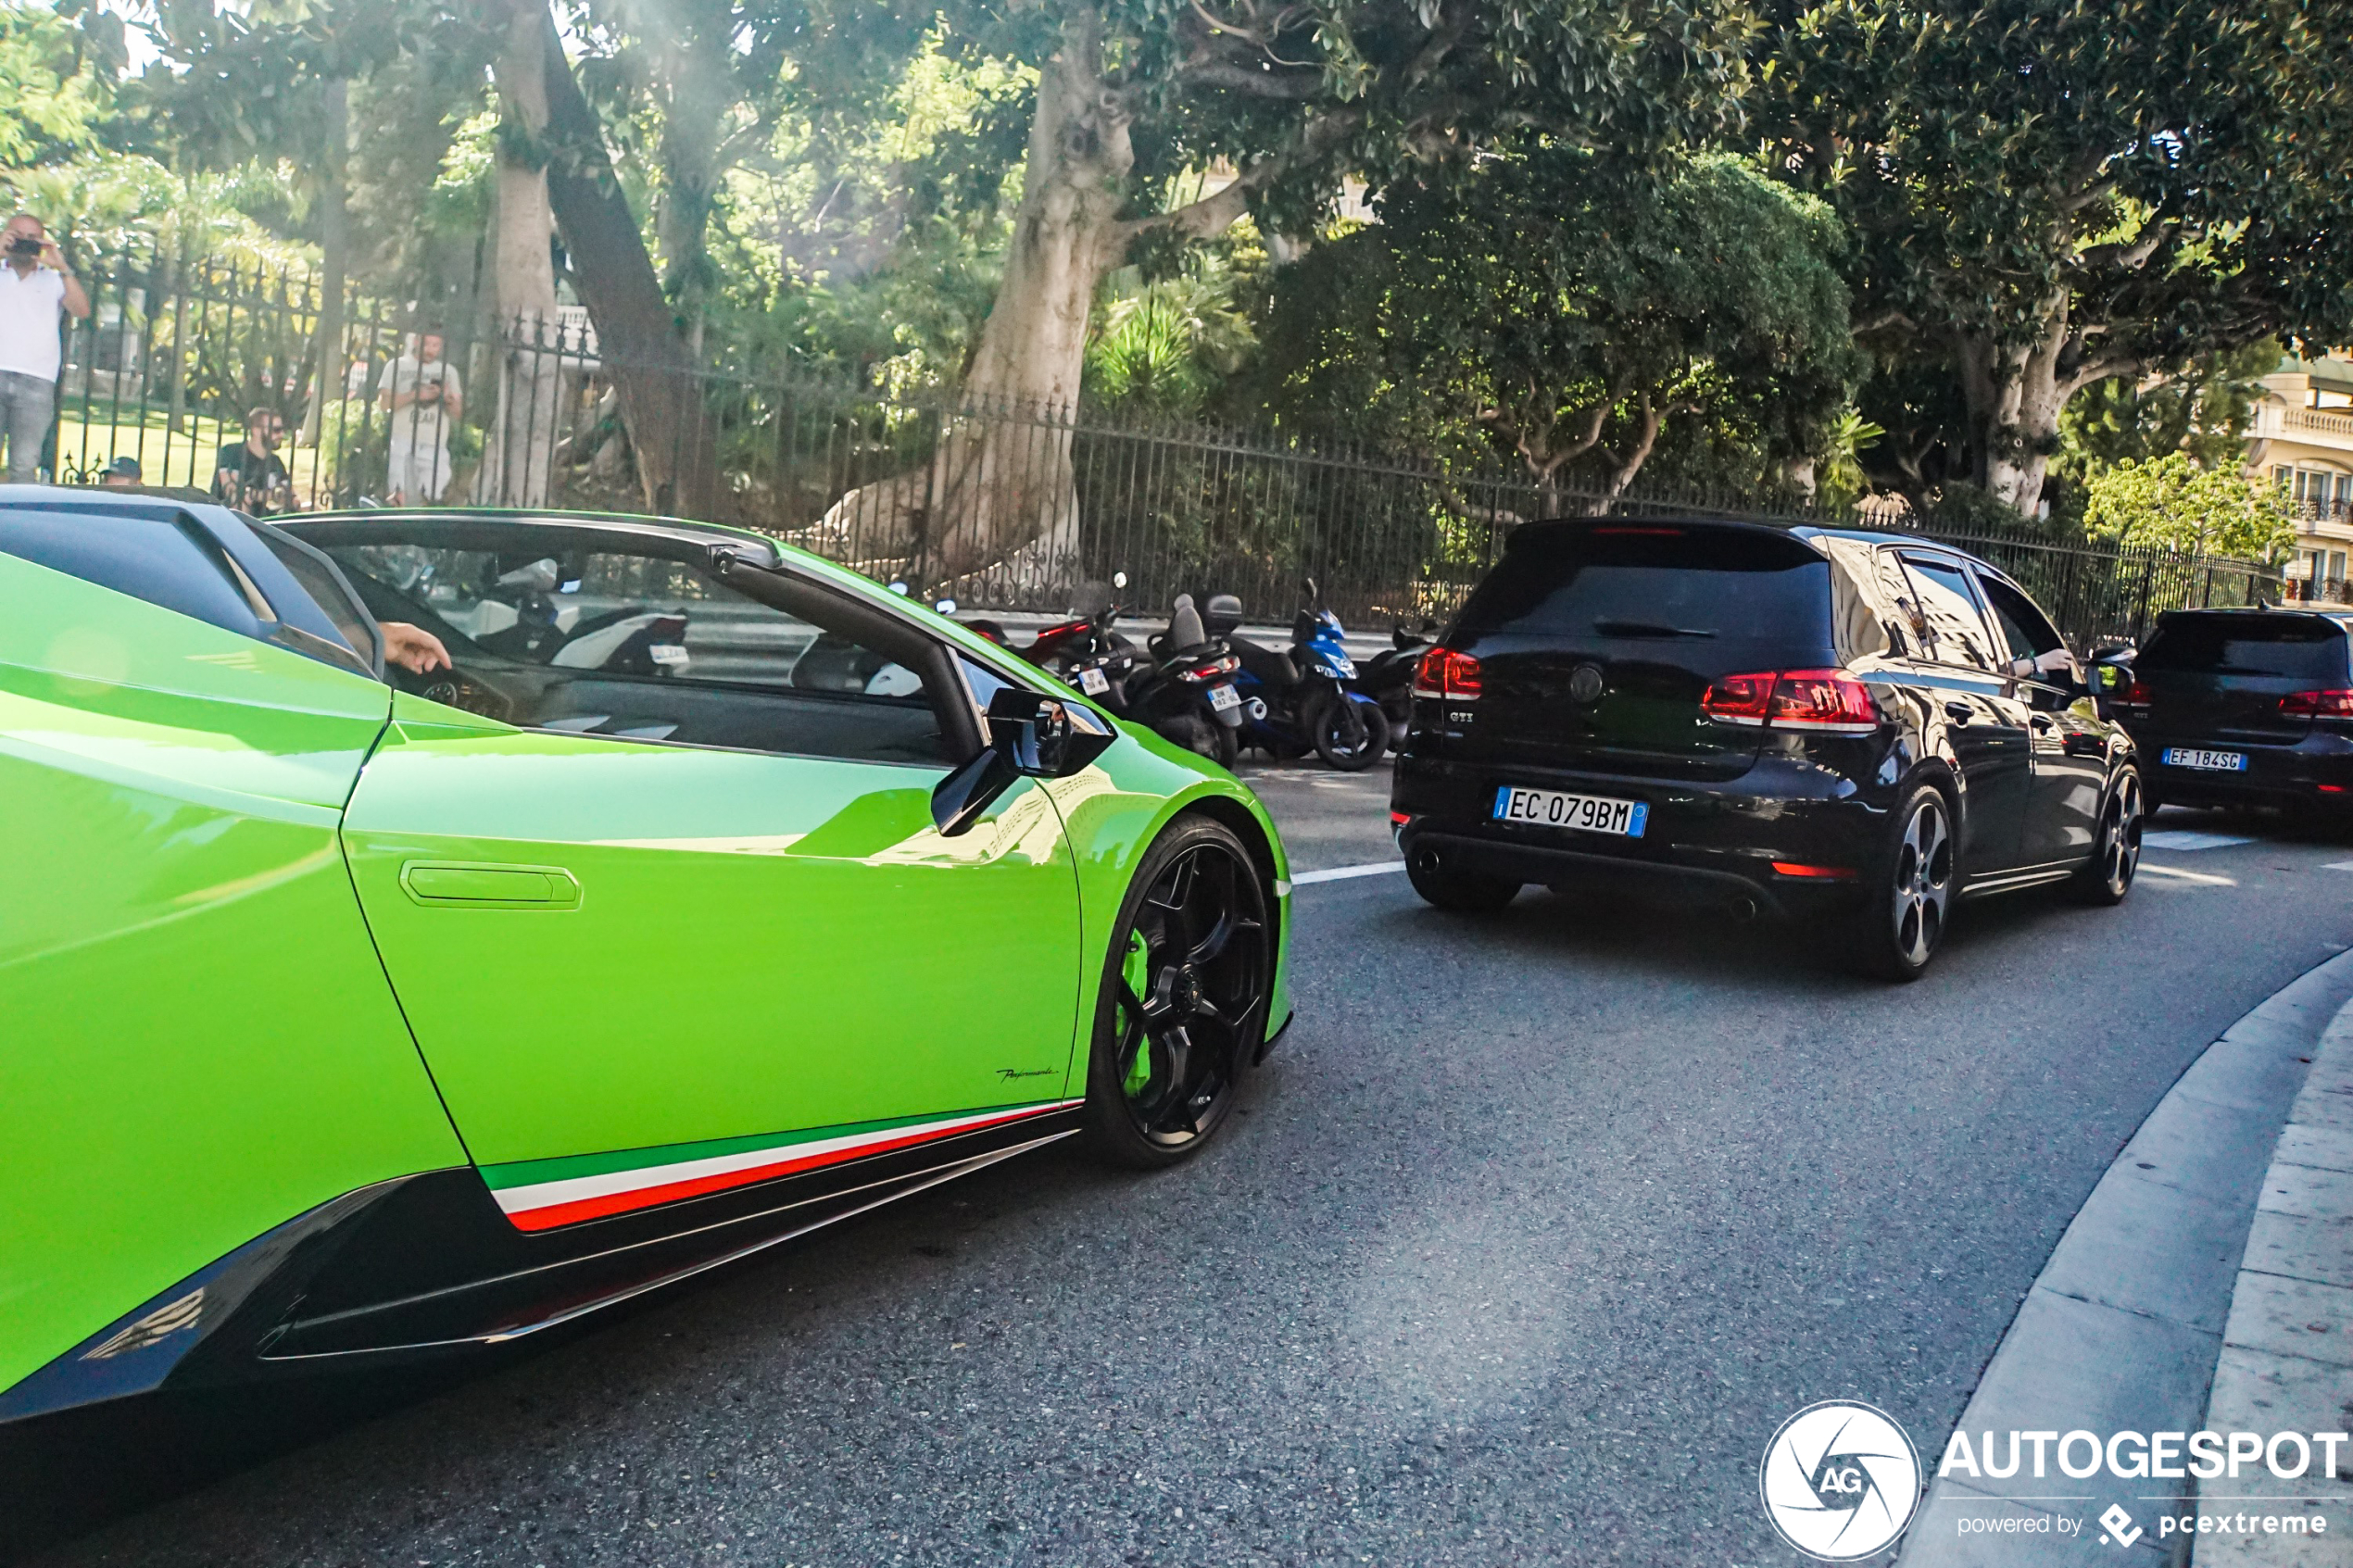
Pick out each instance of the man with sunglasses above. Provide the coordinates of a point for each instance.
(249, 475)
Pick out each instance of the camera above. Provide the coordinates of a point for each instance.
(24, 244)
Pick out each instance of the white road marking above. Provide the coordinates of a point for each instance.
(2181, 875)
(2183, 838)
(1342, 874)
(2338, 866)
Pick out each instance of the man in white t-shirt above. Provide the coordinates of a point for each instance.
(421, 393)
(35, 285)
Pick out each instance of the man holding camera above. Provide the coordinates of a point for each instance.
(421, 393)
(35, 285)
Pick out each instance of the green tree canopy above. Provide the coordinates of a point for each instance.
(1571, 307)
(2171, 503)
(2049, 194)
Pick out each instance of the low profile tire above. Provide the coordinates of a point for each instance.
(2116, 847)
(1183, 1005)
(1459, 892)
(1351, 747)
(1908, 898)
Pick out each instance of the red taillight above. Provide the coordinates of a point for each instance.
(1739, 700)
(1827, 701)
(2318, 705)
(2134, 694)
(1214, 669)
(1831, 700)
(1822, 873)
(1398, 818)
(1445, 674)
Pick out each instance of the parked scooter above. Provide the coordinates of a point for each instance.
(1301, 699)
(1387, 676)
(1189, 695)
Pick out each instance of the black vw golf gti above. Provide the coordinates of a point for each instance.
(2243, 708)
(1790, 722)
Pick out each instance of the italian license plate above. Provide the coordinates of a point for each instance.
(1557, 808)
(1092, 681)
(2206, 761)
(1224, 698)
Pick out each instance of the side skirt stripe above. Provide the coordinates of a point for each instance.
(546, 1205)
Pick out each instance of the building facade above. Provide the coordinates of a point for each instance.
(2302, 440)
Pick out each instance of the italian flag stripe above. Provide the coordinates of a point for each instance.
(536, 1197)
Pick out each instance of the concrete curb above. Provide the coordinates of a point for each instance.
(2123, 1328)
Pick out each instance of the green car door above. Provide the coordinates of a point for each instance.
(669, 914)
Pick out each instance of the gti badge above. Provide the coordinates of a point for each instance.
(1585, 682)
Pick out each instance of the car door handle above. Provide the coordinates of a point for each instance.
(474, 885)
(1959, 712)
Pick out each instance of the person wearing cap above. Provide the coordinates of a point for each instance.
(34, 285)
(123, 473)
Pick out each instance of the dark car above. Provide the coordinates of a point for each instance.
(1788, 722)
(2243, 708)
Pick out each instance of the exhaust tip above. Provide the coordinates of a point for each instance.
(1743, 909)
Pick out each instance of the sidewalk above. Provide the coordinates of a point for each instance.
(2286, 1363)
(2206, 1283)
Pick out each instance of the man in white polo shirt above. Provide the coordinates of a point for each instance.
(35, 285)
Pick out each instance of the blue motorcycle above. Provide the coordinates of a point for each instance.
(1299, 701)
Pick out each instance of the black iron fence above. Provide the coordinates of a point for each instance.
(896, 482)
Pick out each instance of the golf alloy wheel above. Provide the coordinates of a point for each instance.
(1902, 923)
(1185, 995)
(2116, 853)
(1923, 882)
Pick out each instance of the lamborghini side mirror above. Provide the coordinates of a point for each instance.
(1030, 735)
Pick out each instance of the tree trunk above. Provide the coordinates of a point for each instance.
(636, 330)
(520, 450)
(1001, 477)
(335, 259)
(697, 93)
(2015, 393)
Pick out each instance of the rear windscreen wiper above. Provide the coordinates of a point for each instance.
(1647, 629)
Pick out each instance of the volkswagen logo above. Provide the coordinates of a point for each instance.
(1840, 1480)
(1585, 682)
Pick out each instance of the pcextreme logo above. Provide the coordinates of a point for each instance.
(1840, 1480)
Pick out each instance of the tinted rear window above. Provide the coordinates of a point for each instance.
(1635, 580)
(2300, 648)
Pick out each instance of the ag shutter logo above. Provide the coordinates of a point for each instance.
(1840, 1480)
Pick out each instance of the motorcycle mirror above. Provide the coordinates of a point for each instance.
(945, 607)
(898, 588)
(1119, 580)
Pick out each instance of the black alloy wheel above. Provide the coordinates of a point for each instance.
(1909, 899)
(1185, 990)
(2116, 848)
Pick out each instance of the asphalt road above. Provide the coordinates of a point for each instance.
(1532, 1234)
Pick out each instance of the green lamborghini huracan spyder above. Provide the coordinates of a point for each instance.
(419, 929)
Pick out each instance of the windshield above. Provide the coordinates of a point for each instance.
(1655, 581)
(2302, 647)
